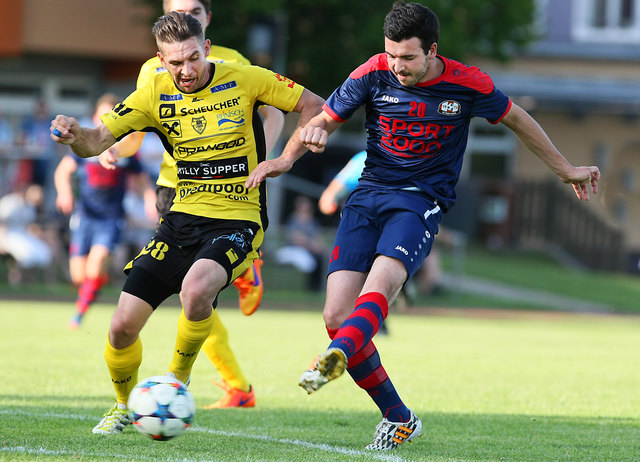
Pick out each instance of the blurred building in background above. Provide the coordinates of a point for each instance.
(579, 80)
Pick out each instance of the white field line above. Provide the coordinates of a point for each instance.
(39, 450)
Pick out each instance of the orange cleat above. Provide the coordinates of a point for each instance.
(250, 288)
(233, 397)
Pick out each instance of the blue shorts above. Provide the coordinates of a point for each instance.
(87, 232)
(395, 223)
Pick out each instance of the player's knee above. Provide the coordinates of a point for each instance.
(333, 318)
(196, 302)
(122, 333)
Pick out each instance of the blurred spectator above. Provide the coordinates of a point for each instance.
(98, 219)
(20, 233)
(305, 244)
(7, 139)
(39, 148)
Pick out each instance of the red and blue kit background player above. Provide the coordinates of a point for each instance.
(97, 214)
(418, 109)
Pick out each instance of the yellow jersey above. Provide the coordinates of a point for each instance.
(214, 135)
(168, 175)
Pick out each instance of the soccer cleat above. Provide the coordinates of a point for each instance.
(233, 397)
(250, 288)
(389, 435)
(74, 322)
(113, 421)
(324, 368)
(173, 376)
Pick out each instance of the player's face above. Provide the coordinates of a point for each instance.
(186, 63)
(408, 61)
(192, 7)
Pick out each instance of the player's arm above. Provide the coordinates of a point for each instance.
(83, 141)
(534, 137)
(272, 122)
(328, 202)
(62, 181)
(315, 134)
(145, 186)
(126, 147)
(309, 105)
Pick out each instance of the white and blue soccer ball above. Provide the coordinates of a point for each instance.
(161, 407)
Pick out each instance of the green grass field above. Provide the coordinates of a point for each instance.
(540, 387)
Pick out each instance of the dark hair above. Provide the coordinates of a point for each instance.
(206, 4)
(408, 20)
(177, 27)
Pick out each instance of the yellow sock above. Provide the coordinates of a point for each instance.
(123, 367)
(217, 348)
(191, 336)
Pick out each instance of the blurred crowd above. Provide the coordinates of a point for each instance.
(34, 233)
(35, 230)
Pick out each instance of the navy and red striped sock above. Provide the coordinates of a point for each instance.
(364, 366)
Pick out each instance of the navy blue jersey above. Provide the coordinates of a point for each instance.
(101, 191)
(416, 136)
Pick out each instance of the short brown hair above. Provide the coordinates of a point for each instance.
(108, 98)
(177, 27)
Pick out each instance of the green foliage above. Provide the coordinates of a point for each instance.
(326, 40)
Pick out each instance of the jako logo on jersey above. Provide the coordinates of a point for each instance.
(199, 124)
(402, 249)
(449, 108)
(224, 86)
(164, 97)
(390, 99)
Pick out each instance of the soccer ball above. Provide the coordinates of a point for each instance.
(161, 407)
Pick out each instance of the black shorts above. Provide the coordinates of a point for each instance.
(180, 240)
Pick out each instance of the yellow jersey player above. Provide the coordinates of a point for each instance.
(238, 391)
(206, 116)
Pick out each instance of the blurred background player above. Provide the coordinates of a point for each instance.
(305, 247)
(238, 391)
(97, 216)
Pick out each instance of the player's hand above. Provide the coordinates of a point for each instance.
(267, 169)
(327, 205)
(314, 138)
(582, 178)
(108, 159)
(64, 129)
(64, 203)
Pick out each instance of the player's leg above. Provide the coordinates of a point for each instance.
(250, 288)
(155, 274)
(405, 242)
(237, 390)
(351, 259)
(123, 354)
(219, 262)
(78, 251)
(95, 277)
